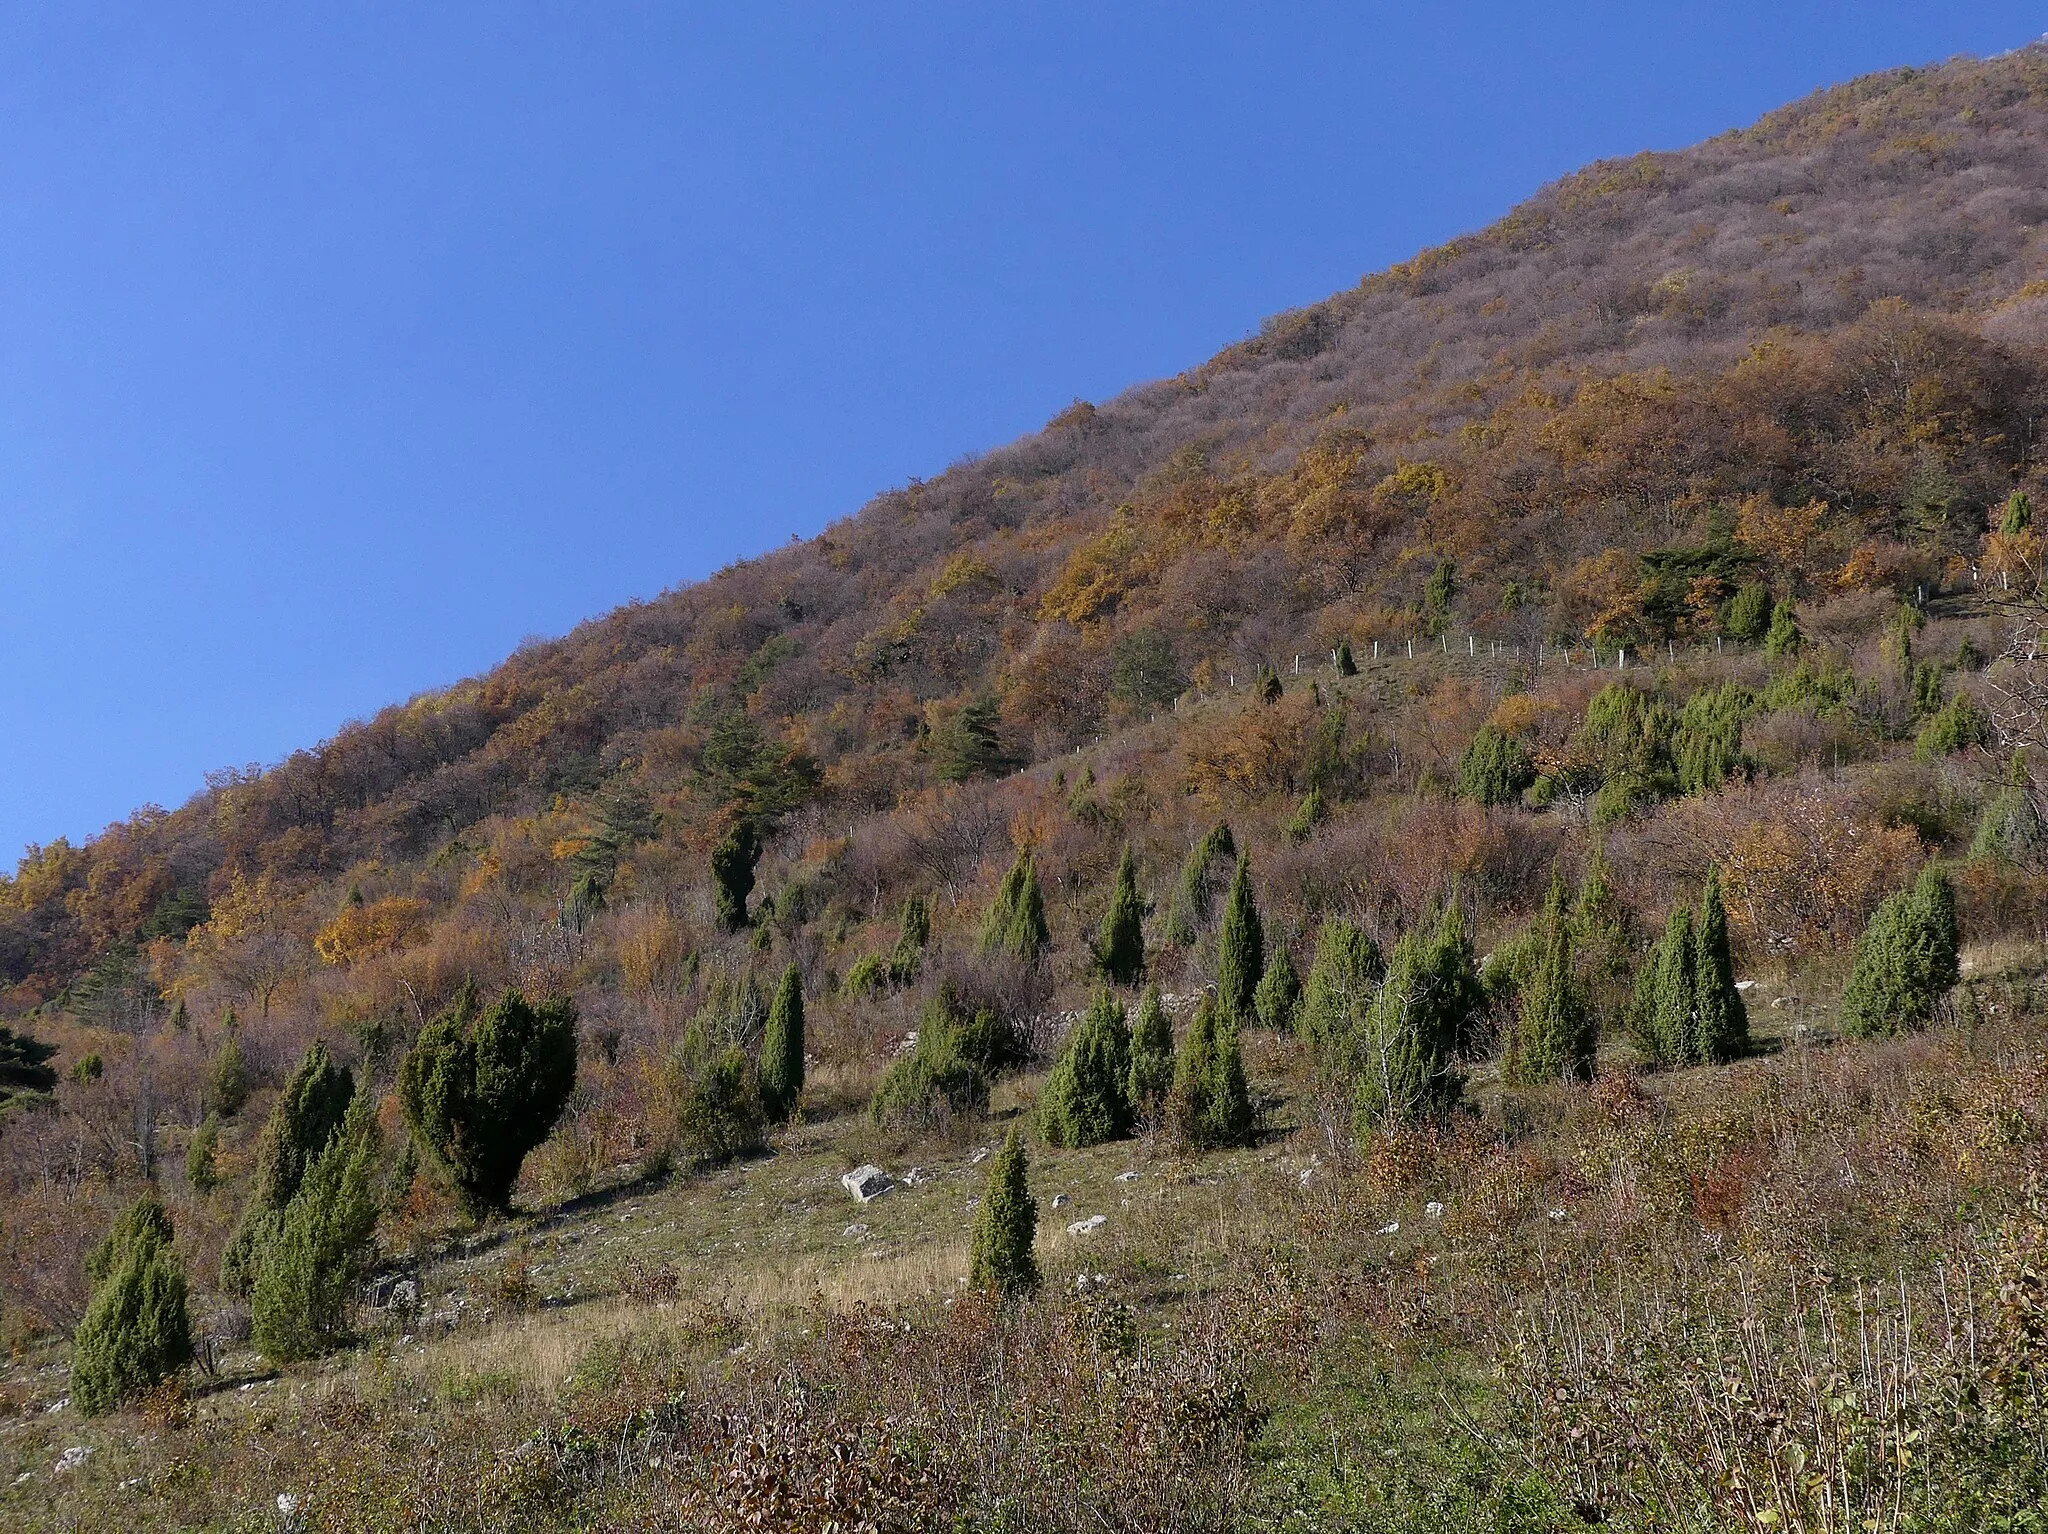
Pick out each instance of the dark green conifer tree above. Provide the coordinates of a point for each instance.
(1346, 664)
(1120, 948)
(24, 1066)
(1343, 981)
(1151, 1059)
(1015, 923)
(1495, 767)
(1278, 997)
(1087, 1097)
(732, 873)
(2018, 515)
(309, 1109)
(1211, 1105)
(299, 1305)
(228, 1083)
(782, 1049)
(1554, 1035)
(913, 935)
(1190, 909)
(201, 1156)
(1720, 1030)
(1906, 960)
(1783, 637)
(1667, 989)
(1240, 949)
(1006, 1230)
(137, 1332)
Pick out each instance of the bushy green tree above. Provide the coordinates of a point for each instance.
(945, 1074)
(1197, 887)
(1015, 922)
(1956, 726)
(1748, 613)
(481, 1089)
(1906, 960)
(971, 743)
(137, 1332)
(1347, 665)
(2018, 515)
(1404, 1049)
(1784, 637)
(228, 1081)
(1211, 1104)
(1142, 669)
(1003, 1259)
(913, 936)
(201, 1156)
(719, 1107)
(1706, 748)
(782, 1049)
(1604, 941)
(1343, 981)
(1720, 1017)
(1687, 1010)
(1151, 1077)
(1309, 814)
(308, 1111)
(1240, 948)
(2010, 826)
(299, 1306)
(1087, 1097)
(1120, 947)
(1554, 1033)
(1495, 767)
(733, 862)
(1278, 997)
(24, 1068)
(1437, 596)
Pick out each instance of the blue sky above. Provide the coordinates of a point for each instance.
(341, 347)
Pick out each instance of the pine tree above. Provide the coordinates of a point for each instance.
(782, 1049)
(1087, 1096)
(1120, 949)
(137, 1332)
(1554, 1034)
(1241, 948)
(201, 1165)
(1667, 989)
(1190, 909)
(24, 1065)
(1906, 960)
(1015, 923)
(309, 1109)
(1278, 997)
(732, 873)
(299, 1305)
(1436, 598)
(1720, 1030)
(1151, 1078)
(1604, 941)
(1006, 1230)
(1784, 637)
(482, 1090)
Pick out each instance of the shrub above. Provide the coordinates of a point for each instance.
(1957, 725)
(868, 977)
(1087, 1097)
(1309, 814)
(719, 1108)
(1342, 982)
(1278, 997)
(23, 1068)
(201, 1168)
(1554, 1034)
(913, 936)
(971, 743)
(228, 1084)
(1748, 613)
(1151, 1059)
(1240, 948)
(2010, 826)
(300, 1301)
(309, 1109)
(1495, 767)
(1706, 748)
(1197, 888)
(732, 873)
(1211, 1106)
(1403, 1050)
(1783, 637)
(137, 1332)
(1906, 960)
(1015, 922)
(1343, 659)
(1006, 1229)
(1604, 941)
(1687, 1010)
(942, 1077)
(782, 1049)
(480, 1091)
(1120, 947)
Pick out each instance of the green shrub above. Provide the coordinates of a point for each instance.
(1554, 1033)
(1197, 888)
(309, 1109)
(1495, 767)
(1706, 748)
(24, 1068)
(1015, 921)
(1956, 726)
(228, 1081)
(137, 1332)
(299, 1305)
(1240, 948)
(733, 862)
(1278, 997)
(1748, 613)
(1404, 1048)
(1087, 1097)
(942, 1077)
(1309, 814)
(2010, 825)
(1120, 946)
(1783, 637)
(1906, 960)
(1687, 1010)
(971, 743)
(1211, 1105)
(1151, 1077)
(913, 936)
(719, 1108)
(868, 977)
(1003, 1260)
(782, 1049)
(1343, 981)
(481, 1091)
(1346, 664)
(201, 1167)
(1605, 940)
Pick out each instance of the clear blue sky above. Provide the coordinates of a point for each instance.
(343, 346)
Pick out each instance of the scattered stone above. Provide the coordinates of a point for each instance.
(1745, 985)
(1391, 1228)
(1557, 1214)
(867, 1183)
(1089, 1226)
(57, 1405)
(26, 1475)
(291, 1510)
(1060, 1201)
(1307, 1175)
(978, 1157)
(915, 1176)
(856, 1230)
(1130, 1176)
(1433, 1209)
(1086, 1282)
(72, 1458)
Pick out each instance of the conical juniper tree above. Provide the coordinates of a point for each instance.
(137, 1332)
(1189, 912)
(1210, 1106)
(913, 936)
(1087, 1097)
(732, 873)
(1554, 1034)
(1495, 767)
(299, 1306)
(1151, 1078)
(1015, 923)
(1343, 981)
(1720, 1030)
(1278, 998)
(1662, 1014)
(1120, 947)
(1783, 637)
(1405, 1046)
(782, 1049)
(1604, 941)
(1906, 960)
(1003, 1260)
(308, 1111)
(482, 1089)
(1240, 949)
